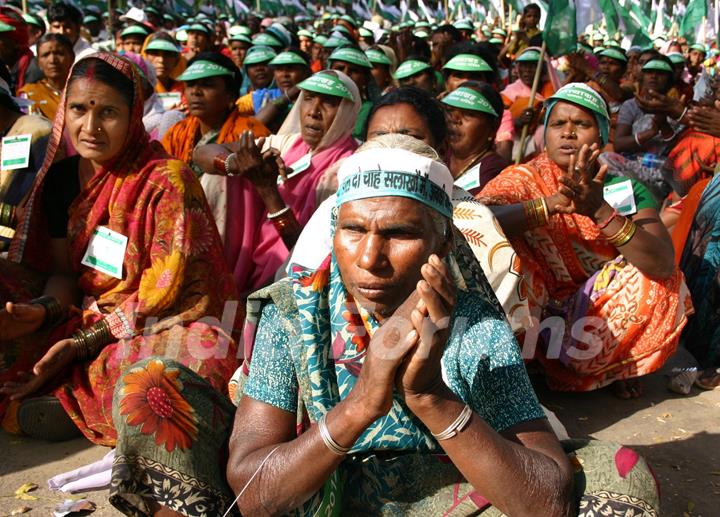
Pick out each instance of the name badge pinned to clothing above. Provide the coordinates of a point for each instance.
(15, 152)
(170, 100)
(621, 197)
(299, 166)
(470, 180)
(106, 252)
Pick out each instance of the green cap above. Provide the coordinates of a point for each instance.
(411, 67)
(469, 99)
(134, 29)
(421, 34)
(198, 27)
(463, 25)
(676, 58)
(502, 32)
(87, 19)
(615, 54)
(320, 39)
(496, 41)
(334, 42)
(699, 47)
(287, 58)
(241, 37)
(266, 40)
(202, 69)
(326, 84)
(657, 64)
(422, 24)
(377, 57)
(365, 33)
(162, 44)
(342, 29)
(467, 63)
(304, 33)
(528, 56)
(151, 9)
(582, 95)
(32, 19)
(349, 19)
(258, 54)
(613, 44)
(350, 55)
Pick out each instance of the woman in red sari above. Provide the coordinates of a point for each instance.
(602, 264)
(115, 259)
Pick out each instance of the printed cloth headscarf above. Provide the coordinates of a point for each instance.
(584, 96)
(21, 36)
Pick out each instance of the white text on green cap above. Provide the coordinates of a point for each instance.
(469, 99)
(467, 63)
(350, 55)
(410, 67)
(326, 84)
(202, 69)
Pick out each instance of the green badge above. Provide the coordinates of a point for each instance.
(657, 64)
(256, 55)
(350, 55)
(615, 54)
(162, 45)
(202, 69)
(469, 99)
(410, 67)
(377, 57)
(326, 84)
(467, 63)
(287, 58)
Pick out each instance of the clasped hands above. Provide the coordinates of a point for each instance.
(260, 168)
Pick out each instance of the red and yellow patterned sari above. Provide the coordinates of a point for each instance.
(572, 272)
(175, 283)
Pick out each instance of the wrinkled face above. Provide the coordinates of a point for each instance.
(381, 74)
(469, 131)
(133, 43)
(208, 98)
(655, 80)
(568, 128)
(400, 118)
(612, 67)
(357, 73)
(457, 77)
(163, 61)
(424, 80)
(67, 28)
(526, 73)
(380, 245)
(54, 60)
(97, 118)
(287, 76)
(317, 113)
(238, 49)
(260, 75)
(198, 41)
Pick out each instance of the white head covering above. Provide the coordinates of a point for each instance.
(344, 121)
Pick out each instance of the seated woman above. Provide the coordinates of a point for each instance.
(55, 57)
(114, 259)
(258, 77)
(474, 111)
(163, 53)
(401, 412)
(417, 74)
(383, 68)
(586, 263)
(644, 135)
(239, 44)
(268, 215)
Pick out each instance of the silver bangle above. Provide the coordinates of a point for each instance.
(637, 139)
(458, 425)
(331, 444)
(227, 164)
(681, 116)
(275, 215)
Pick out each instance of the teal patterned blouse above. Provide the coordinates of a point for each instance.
(481, 365)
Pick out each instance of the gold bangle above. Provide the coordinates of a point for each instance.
(536, 213)
(88, 343)
(624, 235)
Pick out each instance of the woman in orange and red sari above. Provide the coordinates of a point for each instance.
(114, 259)
(610, 278)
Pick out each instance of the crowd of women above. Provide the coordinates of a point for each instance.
(239, 250)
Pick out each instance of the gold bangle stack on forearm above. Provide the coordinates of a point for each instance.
(54, 313)
(7, 215)
(623, 236)
(87, 343)
(536, 213)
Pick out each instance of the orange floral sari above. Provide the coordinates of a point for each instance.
(573, 273)
(175, 285)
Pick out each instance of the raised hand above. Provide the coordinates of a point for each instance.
(581, 191)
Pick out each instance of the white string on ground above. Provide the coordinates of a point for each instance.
(262, 464)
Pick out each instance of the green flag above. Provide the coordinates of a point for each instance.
(694, 14)
(560, 32)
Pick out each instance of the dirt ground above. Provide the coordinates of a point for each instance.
(680, 437)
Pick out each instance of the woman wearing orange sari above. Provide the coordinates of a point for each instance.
(114, 259)
(610, 278)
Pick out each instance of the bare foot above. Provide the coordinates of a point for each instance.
(627, 389)
(709, 379)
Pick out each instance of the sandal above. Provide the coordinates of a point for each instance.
(45, 419)
(682, 379)
(709, 379)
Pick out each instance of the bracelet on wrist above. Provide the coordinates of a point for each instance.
(54, 313)
(536, 213)
(88, 343)
(604, 224)
(327, 439)
(7, 215)
(457, 426)
(682, 115)
(219, 163)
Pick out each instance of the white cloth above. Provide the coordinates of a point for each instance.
(153, 112)
(95, 476)
(82, 49)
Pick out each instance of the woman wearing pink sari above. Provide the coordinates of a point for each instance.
(285, 176)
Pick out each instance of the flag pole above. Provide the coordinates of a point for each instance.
(502, 14)
(533, 93)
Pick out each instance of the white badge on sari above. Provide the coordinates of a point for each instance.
(106, 252)
(170, 100)
(15, 152)
(470, 180)
(298, 166)
(621, 197)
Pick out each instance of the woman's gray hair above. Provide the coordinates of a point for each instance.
(413, 145)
